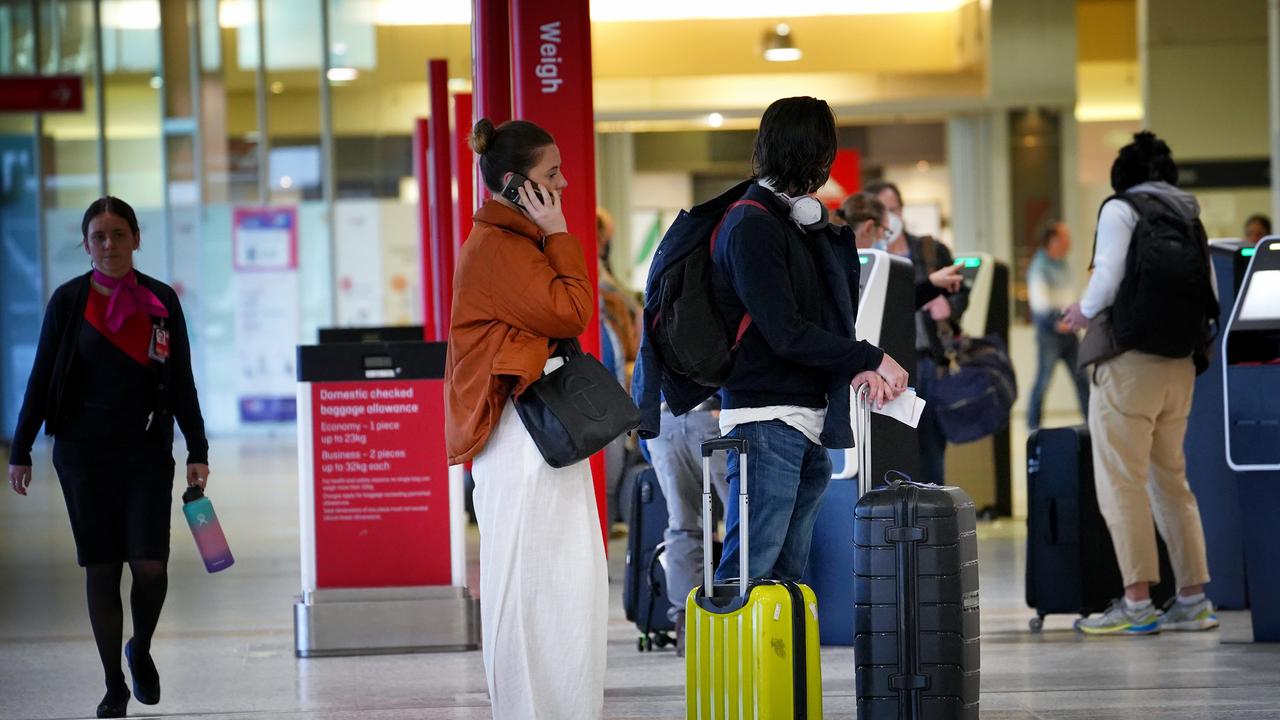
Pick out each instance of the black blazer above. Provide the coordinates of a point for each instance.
(49, 395)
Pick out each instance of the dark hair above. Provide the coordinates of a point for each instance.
(796, 145)
(514, 146)
(1262, 220)
(878, 186)
(1146, 159)
(1048, 231)
(113, 205)
(860, 207)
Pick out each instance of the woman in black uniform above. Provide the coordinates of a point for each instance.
(112, 372)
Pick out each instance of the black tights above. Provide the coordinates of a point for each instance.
(150, 583)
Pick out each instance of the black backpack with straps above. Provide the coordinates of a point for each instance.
(688, 330)
(1166, 304)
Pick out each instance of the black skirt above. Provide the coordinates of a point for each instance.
(119, 496)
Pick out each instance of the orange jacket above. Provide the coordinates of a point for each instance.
(511, 297)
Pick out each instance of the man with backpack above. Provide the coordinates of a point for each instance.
(777, 335)
(1149, 310)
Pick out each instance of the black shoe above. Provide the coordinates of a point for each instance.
(115, 704)
(146, 679)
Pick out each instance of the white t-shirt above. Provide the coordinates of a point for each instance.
(1115, 231)
(809, 421)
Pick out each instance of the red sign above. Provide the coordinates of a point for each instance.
(551, 67)
(46, 93)
(381, 484)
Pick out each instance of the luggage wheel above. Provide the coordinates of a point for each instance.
(1037, 624)
(662, 640)
(643, 644)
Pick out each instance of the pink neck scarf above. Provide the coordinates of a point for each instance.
(127, 298)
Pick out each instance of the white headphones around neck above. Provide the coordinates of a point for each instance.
(807, 211)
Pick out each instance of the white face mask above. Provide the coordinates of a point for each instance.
(895, 227)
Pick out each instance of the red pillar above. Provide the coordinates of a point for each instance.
(440, 186)
(490, 67)
(464, 163)
(421, 143)
(551, 70)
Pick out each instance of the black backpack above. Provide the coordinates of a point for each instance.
(688, 330)
(1165, 305)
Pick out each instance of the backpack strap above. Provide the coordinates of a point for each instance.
(745, 323)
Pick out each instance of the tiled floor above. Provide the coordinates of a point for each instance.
(225, 644)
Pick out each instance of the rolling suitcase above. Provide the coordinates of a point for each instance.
(644, 588)
(1071, 563)
(916, 627)
(751, 647)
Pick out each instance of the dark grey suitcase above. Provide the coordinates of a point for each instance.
(1071, 562)
(916, 627)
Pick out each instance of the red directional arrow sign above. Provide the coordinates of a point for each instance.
(47, 93)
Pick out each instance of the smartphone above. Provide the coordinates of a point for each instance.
(511, 193)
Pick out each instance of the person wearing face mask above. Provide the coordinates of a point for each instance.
(936, 322)
(873, 226)
(521, 284)
(112, 373)
(777, 260)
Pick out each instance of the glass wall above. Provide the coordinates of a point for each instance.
(219, 121)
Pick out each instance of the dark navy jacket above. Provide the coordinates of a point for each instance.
(801, 290)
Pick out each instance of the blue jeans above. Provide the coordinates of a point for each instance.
(787, 476)
(1054, 346)
(933, 443)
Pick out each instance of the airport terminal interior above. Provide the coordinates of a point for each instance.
(302, 181)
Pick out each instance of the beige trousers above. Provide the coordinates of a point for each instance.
(1138, 411)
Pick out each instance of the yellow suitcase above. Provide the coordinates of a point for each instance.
(751, 648)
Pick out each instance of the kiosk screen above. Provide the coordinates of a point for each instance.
(1262, 301)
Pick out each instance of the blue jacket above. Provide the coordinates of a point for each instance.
(801, 349)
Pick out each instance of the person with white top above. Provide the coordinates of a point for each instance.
(1050, 289)
(1138, 408)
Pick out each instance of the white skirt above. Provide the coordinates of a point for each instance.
(544, 585)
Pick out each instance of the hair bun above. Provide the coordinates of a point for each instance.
(1150, 145)
(482, 136)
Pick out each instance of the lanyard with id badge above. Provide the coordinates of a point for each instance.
(158, 349)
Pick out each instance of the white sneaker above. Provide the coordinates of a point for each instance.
(1193, 617)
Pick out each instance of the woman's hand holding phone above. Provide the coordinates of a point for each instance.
(543, 208)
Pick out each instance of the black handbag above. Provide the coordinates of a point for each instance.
(574, 411)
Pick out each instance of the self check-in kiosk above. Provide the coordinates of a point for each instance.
(1214, 483)
(886, 318)
(984, 468)
(1250, 367)
(382, 526)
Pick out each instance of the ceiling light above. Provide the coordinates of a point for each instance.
(715, 120)
(131, 15)
(286, 182)
(277, 87)
(156, 82)
(779, 45)
(342, 74)
(236, 14)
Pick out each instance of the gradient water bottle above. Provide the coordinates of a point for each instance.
(206, 530)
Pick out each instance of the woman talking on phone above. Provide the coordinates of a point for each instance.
(111, 374)
(520, 285)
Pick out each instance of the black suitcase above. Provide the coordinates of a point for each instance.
(916, 620)
(1071, 563)
(644, 589)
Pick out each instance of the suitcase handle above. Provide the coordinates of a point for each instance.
(709, 448)
(862, 437)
